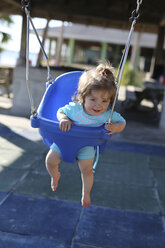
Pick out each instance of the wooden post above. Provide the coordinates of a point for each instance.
(159, 61)
(59, 45)
(159, 46)
(50, 48)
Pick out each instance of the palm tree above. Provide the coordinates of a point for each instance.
(4, 37)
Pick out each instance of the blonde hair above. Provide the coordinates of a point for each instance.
(100, 78)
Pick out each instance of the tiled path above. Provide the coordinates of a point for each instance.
(128, 197)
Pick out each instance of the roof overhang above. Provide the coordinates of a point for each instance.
(106, 13)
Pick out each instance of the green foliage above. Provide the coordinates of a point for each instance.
(6, 19)
(130, 76)
(4, 37)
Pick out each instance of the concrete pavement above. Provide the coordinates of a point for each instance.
(128, 197)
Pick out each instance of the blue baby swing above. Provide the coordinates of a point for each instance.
(59, 93)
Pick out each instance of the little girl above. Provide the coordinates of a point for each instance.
(90, 107)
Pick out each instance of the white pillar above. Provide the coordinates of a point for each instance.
(22, 55)
(135, 50)
(43, 43)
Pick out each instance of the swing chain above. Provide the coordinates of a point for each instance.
(135, 13)
(133, 18)
(26, 7)
(26, 4)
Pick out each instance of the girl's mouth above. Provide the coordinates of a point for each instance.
(95, 110)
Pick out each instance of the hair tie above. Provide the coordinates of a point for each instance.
(106, 73)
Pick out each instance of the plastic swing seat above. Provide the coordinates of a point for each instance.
(57, 95)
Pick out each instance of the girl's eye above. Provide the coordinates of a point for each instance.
(105, 100)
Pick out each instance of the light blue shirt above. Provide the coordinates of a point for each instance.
(79, 117)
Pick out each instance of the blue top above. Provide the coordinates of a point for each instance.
(79, 117)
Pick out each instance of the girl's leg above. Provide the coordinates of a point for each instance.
(86, 168)
(52, 161)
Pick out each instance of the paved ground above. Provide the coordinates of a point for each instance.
(128, 197)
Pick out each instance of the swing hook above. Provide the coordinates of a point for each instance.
(26, 4)
(135, 13)
(34, 114)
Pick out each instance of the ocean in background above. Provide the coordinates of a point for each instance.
(9, 58)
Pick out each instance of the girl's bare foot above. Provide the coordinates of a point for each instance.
(85, 200)
(54, 181)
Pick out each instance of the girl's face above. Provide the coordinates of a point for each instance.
(97, 102)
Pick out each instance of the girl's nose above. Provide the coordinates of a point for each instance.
(98, 103)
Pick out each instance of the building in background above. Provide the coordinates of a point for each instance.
(85, 44)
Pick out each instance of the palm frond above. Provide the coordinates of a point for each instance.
(5, 37)
(6, 19)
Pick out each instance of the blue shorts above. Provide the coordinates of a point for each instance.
(87, 152)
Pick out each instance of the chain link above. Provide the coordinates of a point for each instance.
(139, 2)
(135, 12)
(26, 4)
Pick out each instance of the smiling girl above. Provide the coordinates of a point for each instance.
(90, 107)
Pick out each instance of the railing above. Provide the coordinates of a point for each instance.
(6, 76)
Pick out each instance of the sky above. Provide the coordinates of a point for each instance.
(15, 31)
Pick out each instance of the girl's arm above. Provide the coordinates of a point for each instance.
(115, 127)
(64, 122)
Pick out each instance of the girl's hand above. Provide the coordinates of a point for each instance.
(65, 124)
(114, 127)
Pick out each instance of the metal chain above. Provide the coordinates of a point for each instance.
(124, 57)
(49, 77)
(135, 12)
(33, 109)
(139, 2)
(26, 4)
(26, 8)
